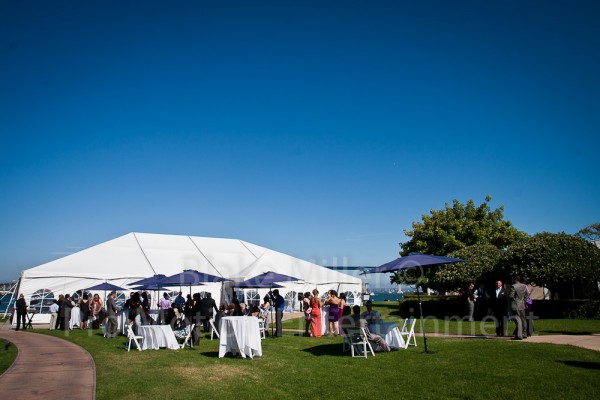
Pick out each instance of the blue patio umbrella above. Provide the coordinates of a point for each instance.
(106, 287)
(415, 260)
(190, 277)
(266, 280)
(153, 280)
(149, 287)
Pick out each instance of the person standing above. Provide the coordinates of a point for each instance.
(21, 308)
(196, 318)
(53, 315)
(188, 309)
(500, 307)
(470, 295)
(65, 312)
(179, 302)
(111, 315)
(207, 305)
(84, 307)
(316, 325)
(163, 307)
(334, 305)
(58, 323)
(279, 303)
(517, 295)
(528, 311)
(306, 309)
(97, 312)
(341, 310)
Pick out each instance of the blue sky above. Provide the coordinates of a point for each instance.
(319, 129)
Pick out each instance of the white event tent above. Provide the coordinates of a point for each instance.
(135, 256)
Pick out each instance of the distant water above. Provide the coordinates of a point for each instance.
(384, 296)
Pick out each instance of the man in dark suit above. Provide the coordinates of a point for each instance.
(207, 305)
(65, 312)
(111, 315)
(279, 304)
(500, 307)
(21, 309)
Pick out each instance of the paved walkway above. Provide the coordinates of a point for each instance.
(591, 342)
(47, 368)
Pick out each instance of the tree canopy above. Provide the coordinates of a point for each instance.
(477, 234)
(554, 260)
(458, 226)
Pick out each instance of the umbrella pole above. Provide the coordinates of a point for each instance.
(423, 325)
(272, 306)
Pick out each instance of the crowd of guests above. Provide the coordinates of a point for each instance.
(340, 316)
(503, 303)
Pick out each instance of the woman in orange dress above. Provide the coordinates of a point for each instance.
(315, 315)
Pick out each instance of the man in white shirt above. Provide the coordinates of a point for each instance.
(372, 317)
(53, 314)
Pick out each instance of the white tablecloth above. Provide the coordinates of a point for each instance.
(240, 334)
(123, 321)
(156, 336)
(75, 318)
(324, 320)
(389, 332)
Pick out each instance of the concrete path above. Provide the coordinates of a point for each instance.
(591, 342)
(47, 368)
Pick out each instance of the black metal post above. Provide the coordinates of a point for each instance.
(425, 351)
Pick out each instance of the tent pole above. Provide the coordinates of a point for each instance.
(12, 296)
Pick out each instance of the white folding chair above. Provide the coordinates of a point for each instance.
(213, 330)
(408, 332)
(347, 341)
(262, 327)
(133, 338)
(187, 338)
(359, 344)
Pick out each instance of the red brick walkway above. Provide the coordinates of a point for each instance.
(47, 368)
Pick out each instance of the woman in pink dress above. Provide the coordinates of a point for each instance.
(315, 315)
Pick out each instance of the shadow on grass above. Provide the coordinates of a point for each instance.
(582, 364)
(334, 349)
(566, 333)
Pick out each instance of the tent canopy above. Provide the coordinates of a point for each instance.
(135, 256)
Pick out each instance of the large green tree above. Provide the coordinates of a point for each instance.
(458, 226)
(554, 260)
(477, 234)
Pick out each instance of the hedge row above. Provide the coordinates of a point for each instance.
(456, 306)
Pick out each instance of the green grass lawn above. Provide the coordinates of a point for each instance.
(8, 353)
(316, 368)
(310, 368)
(389, 313)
